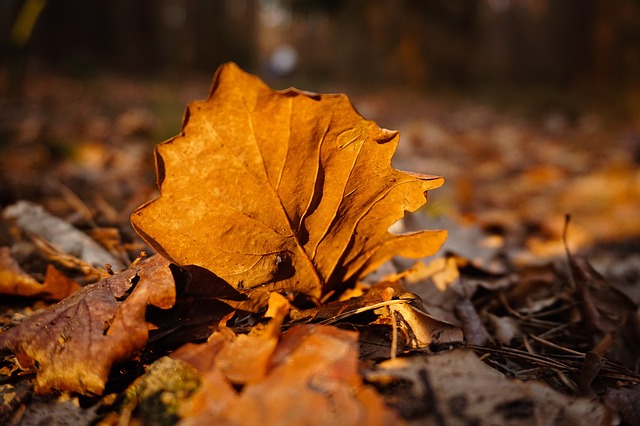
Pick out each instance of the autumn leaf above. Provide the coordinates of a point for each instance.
(317, 365)
(400, 313)
(281, 190)
(251, 378)
(75, 342)
(458, 388)
(15, 281)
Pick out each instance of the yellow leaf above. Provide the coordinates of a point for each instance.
(281, 190)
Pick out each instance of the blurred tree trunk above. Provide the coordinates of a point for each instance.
(142, 35)
(540, 42)
(418, 43)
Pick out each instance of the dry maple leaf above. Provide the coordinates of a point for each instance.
(281, 190)
(76, 341)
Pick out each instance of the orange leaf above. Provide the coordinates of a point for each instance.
(282, 190)
(14, 281)
(245, 360)
(312, 379)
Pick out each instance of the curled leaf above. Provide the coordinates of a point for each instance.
(281, 190)
(75, 342)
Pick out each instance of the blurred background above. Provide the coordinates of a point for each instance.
(423, 44)
(529, 108)
(468, 44)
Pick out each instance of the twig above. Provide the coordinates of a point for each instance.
(554, 346)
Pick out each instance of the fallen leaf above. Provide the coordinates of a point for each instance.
(13, 280)
(471, 323)
(281, 190)
(35, 220)
(589, 371)
(605, 202)
(62, 410)
(604, 307)
(424, 330)
(467, 241)
(75, 342)
(202, 356)
(16, 282)
(197, 311)
(246, 359)
(401, 323)
(320, 365)
(626, 401)
(312, 379)
(251, 378)
(438, 285)
(456, 388)
(605, 310)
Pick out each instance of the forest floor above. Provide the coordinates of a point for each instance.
(534, 306)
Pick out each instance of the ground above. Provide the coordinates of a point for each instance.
(515, 167)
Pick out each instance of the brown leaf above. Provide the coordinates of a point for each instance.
(283, 190)
(14, 281)
(472, 326)
(411, 328)
(457, 388)
(246, 359)
(312, 379)
(604, 307)
(75, 342)
(62, 410)
(439, 286)
(424, 329)
(626, 401)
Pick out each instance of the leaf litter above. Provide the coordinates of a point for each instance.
(556, 326)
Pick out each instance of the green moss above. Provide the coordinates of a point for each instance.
(156, 396)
